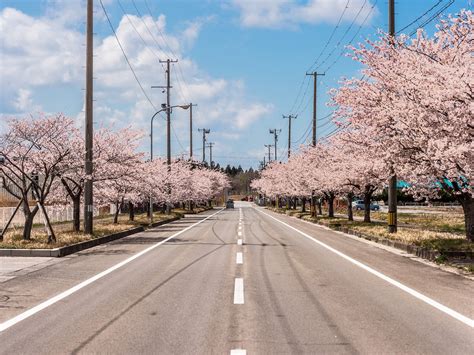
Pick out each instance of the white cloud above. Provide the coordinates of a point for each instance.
(24, 102)
(39, 53)
(290, 13)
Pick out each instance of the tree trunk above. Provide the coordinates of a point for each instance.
(29, 217)
(131, 211)
(320, 207)
(350, 215)
(76, 212)
(367, 198)
(295, 202)
(28, 226)
(467, 203)
(303, 204)
(330, 198)
(117, 210)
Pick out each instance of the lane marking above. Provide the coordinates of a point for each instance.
(240, 227)
(22, 316)
(239, 234)
(466, 320)
(239, 241)
(239, 258)
(239, 291)
(238, 352)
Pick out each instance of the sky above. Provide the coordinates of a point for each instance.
(243, 62)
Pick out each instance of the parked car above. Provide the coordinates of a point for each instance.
(359, 205)
(229, 203)
(245, 198)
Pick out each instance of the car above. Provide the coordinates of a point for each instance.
(245, 198)
(359, 205)
(229, 203)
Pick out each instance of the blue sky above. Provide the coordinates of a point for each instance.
(241, 61)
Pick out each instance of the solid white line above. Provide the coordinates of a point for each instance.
(239, 291)
(239, 241)
(238, 352)
(239, 258)
(22, 316)
(466, 320)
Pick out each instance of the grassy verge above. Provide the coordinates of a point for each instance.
(440, 233)
(66, 236)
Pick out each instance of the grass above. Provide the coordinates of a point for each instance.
(66, 236)
(450, 222)
(440, 232)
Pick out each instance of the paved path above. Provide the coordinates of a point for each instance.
(244, 279)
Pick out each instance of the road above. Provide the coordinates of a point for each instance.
(236, 281)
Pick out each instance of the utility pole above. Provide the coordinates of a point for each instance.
(289, 131)
(168, 108)
(204, 132)
(269, 146)
(315, 101)
(315, 90)
(210, 145)
(392, 182)
(88, 168)
(264, 162)
(191, 130)
(275, 133)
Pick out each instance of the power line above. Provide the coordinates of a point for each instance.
(330, 37)
(341, 54)
(434, 16)
(420, 17)
(126, 58)
(168, 47)
(343, 35)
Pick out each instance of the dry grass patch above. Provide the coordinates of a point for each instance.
(66, 236)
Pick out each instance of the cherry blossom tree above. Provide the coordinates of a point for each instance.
(418, 101)
(34, 152)
(115, 159)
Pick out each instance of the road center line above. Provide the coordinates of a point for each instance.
(239, 291)
(238, 352)
(239, 241)
(239, 258)
(239, 234)
(22, 316)
(466, 320)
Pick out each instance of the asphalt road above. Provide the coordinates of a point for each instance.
(240, 280)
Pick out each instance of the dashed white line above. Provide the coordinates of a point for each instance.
(239, 258)
(239, 291)
(239, 241)
(238, 352)
(239, 234)
(466, 320)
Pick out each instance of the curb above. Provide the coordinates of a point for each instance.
(74, 248)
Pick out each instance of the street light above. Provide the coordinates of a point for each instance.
(163, 108)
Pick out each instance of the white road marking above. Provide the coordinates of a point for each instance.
(239, 241)
(22, 316)
(240, 227)
(466, 320)
(239, 258)
(238, 352)
(239, 291)
(239, 234)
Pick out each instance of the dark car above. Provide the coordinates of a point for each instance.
(229, 203)
(245, 198)
(359, 205)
